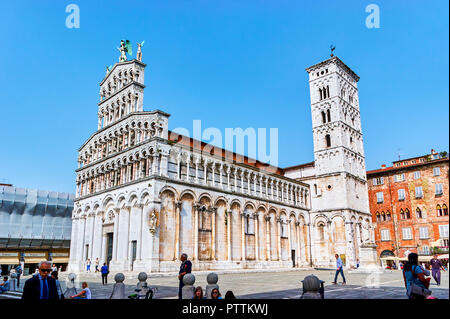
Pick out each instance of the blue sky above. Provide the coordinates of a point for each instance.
(228, 63)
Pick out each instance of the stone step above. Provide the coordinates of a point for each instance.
(11, 295)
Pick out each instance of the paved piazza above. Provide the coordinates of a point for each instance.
(273, 285)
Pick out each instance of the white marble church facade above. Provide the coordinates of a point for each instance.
(145, 196)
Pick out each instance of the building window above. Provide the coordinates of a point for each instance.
(436, 171)
(425, 250)
(438, 189)
(328, 115)
(439, 210)
(324, 119)
(401, 194)
(388, 216)
(328, 140)
(380, 198)
(407, 214)
(407, 234)
(418, 213)
(443, 231)
(417, 175)
(423, 232)
(378, 217)
(378, 181)
(385, 235)
(445, 210)
(419, 193)
(383, 216)
(399, 177)
(402, 214)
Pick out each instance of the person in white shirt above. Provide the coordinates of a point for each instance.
(85, 293)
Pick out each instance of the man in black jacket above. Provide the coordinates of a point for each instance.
(42, 285)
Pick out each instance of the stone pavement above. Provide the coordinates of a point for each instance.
(281, 284)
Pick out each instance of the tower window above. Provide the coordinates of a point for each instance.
(328, 140)
(324, 120)
(321, 95)
(329, 115)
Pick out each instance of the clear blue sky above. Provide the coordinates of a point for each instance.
(228, 63)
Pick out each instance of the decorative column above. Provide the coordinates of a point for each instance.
(177, 229)
(267, 219)
(220, 175)
(289, 239)
(228, 217)
(213, 171)
(188, 161)
(154, 164)
(213, 232)
(255, 216)
(297, 238)
(196, 207)
(279, 238)
(116, 233)
(205, 171)
(142, 229)
(242, 236)
(197, 161)
(350, 245)
(103, 249)
(228, 177)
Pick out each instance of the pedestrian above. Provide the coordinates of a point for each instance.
(339, 270)
(54, 268)
(105, 272)
(198, 293)
(85, 293)
(357, 263)
(4, 286)
(229, 295)
(58, 284)
(97, 262)
(60, 269)
(215, 294)
(436, 266)
(185, 268)
(19, 273)
(41, 286)
(415, 282)
(88, 265)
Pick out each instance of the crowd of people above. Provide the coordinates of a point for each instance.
(44, 284)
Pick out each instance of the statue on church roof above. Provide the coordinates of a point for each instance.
(139, 52)
(125, 47)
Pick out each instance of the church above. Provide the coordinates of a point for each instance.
(145, 195)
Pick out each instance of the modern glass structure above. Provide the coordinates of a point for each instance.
(35, 225)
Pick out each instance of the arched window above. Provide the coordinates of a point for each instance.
(439, 210)
(328, 91)
(328, 140)
(378, 217)
(402, 214)
(329, 115)
(320, 93)
(445, 210)
(324, 120)
(321, 232)
(418, 213)
(388, 216)
(383, 216)
(407, 214)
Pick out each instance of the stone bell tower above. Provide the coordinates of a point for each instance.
(339, 187)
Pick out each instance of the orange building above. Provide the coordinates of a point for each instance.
(409, 205)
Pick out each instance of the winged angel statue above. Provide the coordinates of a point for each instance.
(125, 47)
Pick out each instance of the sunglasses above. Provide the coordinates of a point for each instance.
(45, 270)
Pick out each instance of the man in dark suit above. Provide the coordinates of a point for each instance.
(42, 285)
(185, 268)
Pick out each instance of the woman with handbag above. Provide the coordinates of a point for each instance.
(415, 282)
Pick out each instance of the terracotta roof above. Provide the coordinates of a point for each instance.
(392, 168)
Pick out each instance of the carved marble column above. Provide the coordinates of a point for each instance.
(268, 253)
(213, 232)
(228, 218)
(196, 207)
(177, 230)
(242, 236)
(255, 216)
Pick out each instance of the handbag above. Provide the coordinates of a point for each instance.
(416, 289)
